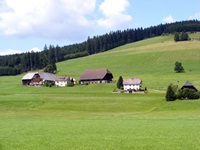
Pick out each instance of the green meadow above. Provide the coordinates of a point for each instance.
(92, 117)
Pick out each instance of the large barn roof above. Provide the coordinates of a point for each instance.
(94, 74)
(47, 76)
(28, 76)
(43, 75)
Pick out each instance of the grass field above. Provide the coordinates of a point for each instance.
(91, 117)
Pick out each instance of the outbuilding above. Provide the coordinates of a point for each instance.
(189, 85)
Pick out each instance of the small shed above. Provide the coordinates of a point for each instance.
(189, 85)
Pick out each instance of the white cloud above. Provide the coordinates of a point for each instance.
(195, 16)
(169, 19)
(70, 20)
(9, 51)
(13, 51)
(114, 14)
(45, 18)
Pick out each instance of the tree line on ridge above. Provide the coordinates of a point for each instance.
(24, 62)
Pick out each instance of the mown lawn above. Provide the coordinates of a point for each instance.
(121, 132)
(69, 118)
(92, 117)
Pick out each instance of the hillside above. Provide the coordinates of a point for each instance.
(91, 117)
(151, 59)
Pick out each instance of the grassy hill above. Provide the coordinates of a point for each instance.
(152, 60)
(91, 117)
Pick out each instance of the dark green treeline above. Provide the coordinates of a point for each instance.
(19, 63)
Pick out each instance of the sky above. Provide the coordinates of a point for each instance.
(27, 25)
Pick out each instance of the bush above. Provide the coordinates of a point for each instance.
(188, 94)
(70, 84)
(47, 84)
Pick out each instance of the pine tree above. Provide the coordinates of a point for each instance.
(170, 94)
(51, 68)
(120, 83)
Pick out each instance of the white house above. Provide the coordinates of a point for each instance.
(62, 80)
(132, 84)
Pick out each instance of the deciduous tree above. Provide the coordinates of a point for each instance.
(178, 67)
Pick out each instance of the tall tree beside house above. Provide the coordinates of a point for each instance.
(120, 83)
(170, 94)
(51, 67)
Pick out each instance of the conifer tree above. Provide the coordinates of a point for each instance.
(120, 83)
(170, 94)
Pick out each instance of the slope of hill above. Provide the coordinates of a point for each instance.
(91, 117)
(152, 60)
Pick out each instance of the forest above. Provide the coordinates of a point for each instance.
(24, 62)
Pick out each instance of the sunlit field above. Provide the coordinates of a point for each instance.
(92, 117)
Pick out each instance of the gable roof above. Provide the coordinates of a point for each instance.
(63, 78)
(44, 75)
(47, 76)
(189, 85)
(28, 76)
(94, 74)
(131, 81)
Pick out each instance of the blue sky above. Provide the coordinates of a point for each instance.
(30, 24)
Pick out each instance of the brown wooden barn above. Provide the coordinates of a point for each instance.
(38, 78)
(96, 76)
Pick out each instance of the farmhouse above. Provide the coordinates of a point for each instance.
(62, 80)
(96, 76)
(189, 85)
(38, 78)
(132, 84)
